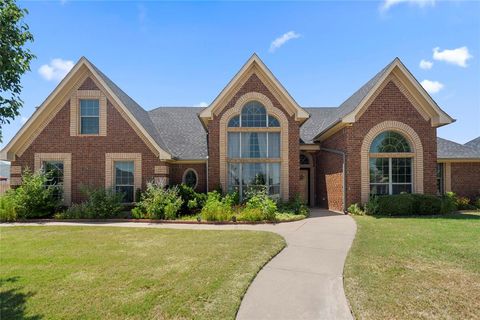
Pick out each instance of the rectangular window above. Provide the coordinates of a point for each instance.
(440, 179)
(89, 116)
(390, 175)
(55, 176)
(245, 176)
(124, 179)
(253, 145)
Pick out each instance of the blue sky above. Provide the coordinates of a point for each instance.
(182, 54)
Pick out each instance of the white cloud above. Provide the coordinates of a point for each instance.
(201, 105)
(284, 38)
(426, 65)
(24, 119)
(56, 69)
(432, 86)
(457, 56)
(387, 4)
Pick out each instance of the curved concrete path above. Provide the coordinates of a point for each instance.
(304, 281)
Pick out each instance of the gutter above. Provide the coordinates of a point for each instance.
(344, 176)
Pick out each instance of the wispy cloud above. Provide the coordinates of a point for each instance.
(56, 69)
(142, 17)
(284, 38)
(201, 105)
(432, 86)
(23, 120)
(387, 4)
(457, 56)
(425, 64)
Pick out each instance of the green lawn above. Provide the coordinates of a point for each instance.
(415, 268)
(128, 273)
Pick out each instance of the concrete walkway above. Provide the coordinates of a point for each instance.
(304, 281)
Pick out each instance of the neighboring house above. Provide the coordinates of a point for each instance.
(380, 140)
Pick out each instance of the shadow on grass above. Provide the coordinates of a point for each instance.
(12, 302)
(455, 216)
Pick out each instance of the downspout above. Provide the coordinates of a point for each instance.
(344, 176)
(206, 171)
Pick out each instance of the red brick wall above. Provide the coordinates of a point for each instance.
(392, 105)
(466, 179)
(178, 169)
(88, 153)
(254, 84)
(329, 172)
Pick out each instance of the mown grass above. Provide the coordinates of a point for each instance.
(128, 273)
(415, 267)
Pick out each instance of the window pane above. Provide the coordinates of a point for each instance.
(127, 192)
(234, 122)
(399, 188)
(191, 179)
(234, 145)
(254, 115)
(274, 174)
(89, 107)
(379, 170)
(304, 159)
(254, 145)
(124, 173)
(55, 172)
(89, 125)
(401, 170)
(254, 174)
(390, 141)
(440, 178)
(378, 189)
(273, 122)
(274, 145)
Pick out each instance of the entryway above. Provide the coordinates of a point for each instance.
(306, 179)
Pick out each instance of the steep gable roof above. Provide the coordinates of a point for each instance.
(255, 65)
(349, 110)
(134, 112)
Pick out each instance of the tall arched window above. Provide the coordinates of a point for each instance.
(390, 164)
(253, 150)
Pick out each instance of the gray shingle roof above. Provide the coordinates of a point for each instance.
(447, 149)
(475, 143)
(319, 118)
(140, 114)
(182, 131)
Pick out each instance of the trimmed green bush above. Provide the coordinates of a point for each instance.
(158, 203)
(217, 208)
(409, 204)
(294, 206)
(191, 201)
(100, 204)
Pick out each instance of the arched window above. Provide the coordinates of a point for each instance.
(304, 159)
(262, 145)
(190, 178)
(390, 164)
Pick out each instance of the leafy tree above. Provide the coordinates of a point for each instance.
(14, 58)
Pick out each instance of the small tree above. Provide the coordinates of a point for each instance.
(14, 59)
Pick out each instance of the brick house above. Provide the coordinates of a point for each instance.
(381, 140)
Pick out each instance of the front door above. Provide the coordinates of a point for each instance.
(305, 185)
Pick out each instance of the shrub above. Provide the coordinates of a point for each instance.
(448, 205)
(355, 209)
(158, 203)
(251, 214)
(217, 208)
(192, 201)
(409, 204)
(100, 204)
(461, 203)
(477, 203)
(33, 199)
(259, 199)
(294, 206)
(8, 211)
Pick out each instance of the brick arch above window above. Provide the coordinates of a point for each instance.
(415, 143)
(284, 150)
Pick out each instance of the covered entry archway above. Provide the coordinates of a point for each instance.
(306, 179)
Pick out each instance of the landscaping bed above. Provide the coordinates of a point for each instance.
(419, 267)
(128, 273)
